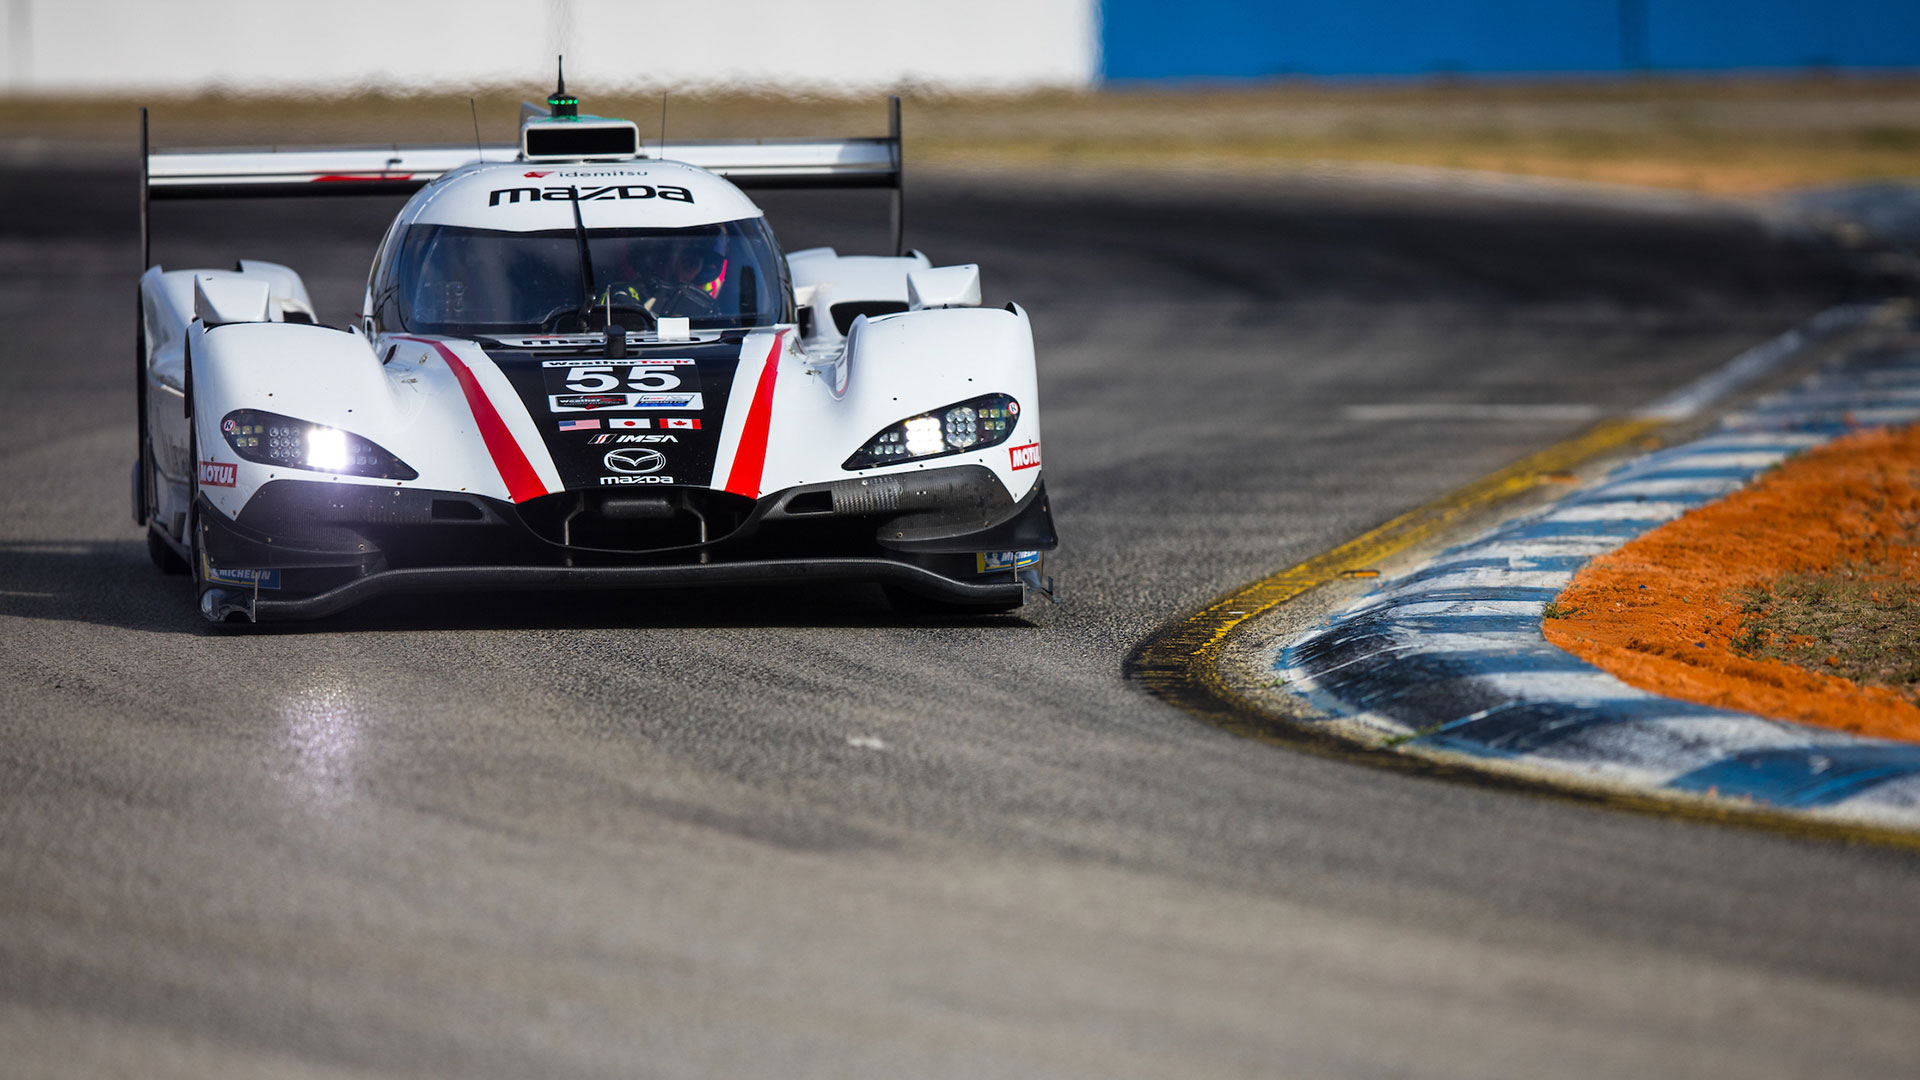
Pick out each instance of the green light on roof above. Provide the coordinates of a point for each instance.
(562, 104)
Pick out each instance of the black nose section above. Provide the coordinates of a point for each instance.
(636, 507)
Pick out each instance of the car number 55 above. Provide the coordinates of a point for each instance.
(601, 379)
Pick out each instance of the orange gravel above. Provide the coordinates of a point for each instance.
(1662, 612)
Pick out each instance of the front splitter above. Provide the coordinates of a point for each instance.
(225, 604)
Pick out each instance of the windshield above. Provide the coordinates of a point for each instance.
(465, 282)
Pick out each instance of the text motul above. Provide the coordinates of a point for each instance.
(216, 474)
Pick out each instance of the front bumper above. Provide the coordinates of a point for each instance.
(304, 549)
(223, 603)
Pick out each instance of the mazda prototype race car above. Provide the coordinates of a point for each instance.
(581, 365)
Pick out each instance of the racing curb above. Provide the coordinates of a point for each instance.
(1444, 671)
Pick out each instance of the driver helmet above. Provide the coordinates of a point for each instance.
(698, 261)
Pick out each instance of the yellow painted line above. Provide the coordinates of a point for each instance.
(1191, 648)
(1181, 664)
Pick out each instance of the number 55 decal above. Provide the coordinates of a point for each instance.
(600, 379)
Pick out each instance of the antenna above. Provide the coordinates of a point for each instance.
(475, 110)
(663, 125)
(559, 103)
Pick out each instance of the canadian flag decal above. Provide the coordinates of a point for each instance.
(1025, 457)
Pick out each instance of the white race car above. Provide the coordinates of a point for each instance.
(581, 365)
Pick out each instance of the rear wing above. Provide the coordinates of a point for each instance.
(870, 162)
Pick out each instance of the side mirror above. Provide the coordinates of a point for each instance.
(217, 301)
(943, 286)
(803, 306)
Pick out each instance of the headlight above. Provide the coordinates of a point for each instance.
(968, 425)
(271, 439)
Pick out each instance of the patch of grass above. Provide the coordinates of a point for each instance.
(1722, 136)
(1418, 733)
(1556, 610)
(1860, 621)
(1749, 638)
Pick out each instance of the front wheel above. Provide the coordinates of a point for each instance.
(196, 554)
(164, 557)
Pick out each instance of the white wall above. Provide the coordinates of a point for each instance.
(103, 46)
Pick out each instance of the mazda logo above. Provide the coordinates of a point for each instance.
(634, 460)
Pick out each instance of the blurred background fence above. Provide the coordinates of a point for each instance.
(108, 46)
(1220, 39)
(115, 46)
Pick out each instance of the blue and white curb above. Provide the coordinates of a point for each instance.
(1450, 658)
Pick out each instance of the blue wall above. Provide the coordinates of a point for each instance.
(1144, 39)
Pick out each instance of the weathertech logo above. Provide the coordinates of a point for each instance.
(216, 474)
(1025, 457)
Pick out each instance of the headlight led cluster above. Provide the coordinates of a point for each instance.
(271, 439)
(958, 428)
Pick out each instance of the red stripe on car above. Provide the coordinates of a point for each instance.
(523, 483)
(751, 458)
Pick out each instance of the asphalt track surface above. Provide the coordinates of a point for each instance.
(655, 836)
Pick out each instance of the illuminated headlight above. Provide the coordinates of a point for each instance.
(923, 437)
(327, 449)
(271, 439)
(955, 429)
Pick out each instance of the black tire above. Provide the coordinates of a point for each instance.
(164, 557)
(142, 507)
(196, 558)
